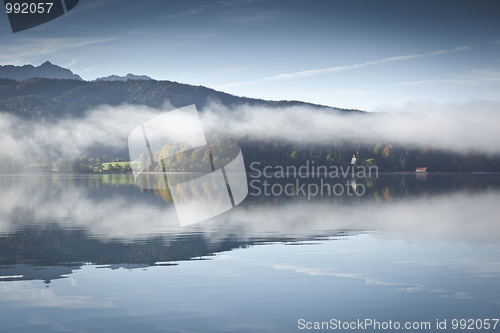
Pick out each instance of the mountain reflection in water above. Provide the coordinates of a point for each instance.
(436, 239)
(61, 219)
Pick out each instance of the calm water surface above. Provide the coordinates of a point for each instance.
(94, 253)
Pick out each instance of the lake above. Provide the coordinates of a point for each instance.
(95, 253)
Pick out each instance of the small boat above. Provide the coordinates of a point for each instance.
(421, 170)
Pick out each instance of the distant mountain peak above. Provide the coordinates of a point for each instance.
(45, 70)
(124, 78)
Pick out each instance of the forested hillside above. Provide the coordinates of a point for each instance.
(51, 100)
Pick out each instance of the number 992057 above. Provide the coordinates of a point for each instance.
(28, 8)
(474, 324)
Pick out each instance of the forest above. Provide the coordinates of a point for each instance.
(49, 100)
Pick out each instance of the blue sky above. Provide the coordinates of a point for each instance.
(370, 55)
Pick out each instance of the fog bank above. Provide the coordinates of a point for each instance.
(465, 127)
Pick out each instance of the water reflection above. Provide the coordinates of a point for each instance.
(52, 220)
(110, 208)
(99, 247)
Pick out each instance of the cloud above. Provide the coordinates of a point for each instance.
(29, 50)
(371, 281)
(73, 62)
(28, 293)
(188, 12)
(476, 77)
(314, 72)
(232, 11)
(365, 64)
(145, 217)
(105, 126)
(251, 16)
(464, 127)
(471, 126)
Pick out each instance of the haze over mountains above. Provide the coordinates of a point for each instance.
(62, 118)
(46, 70)
(123, 78)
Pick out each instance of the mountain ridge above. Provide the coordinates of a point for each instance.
(46, 70)
(129, 76)
(49, 70)
(50, 99)
(31, 91)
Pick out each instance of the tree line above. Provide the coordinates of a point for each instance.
(386, 156)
